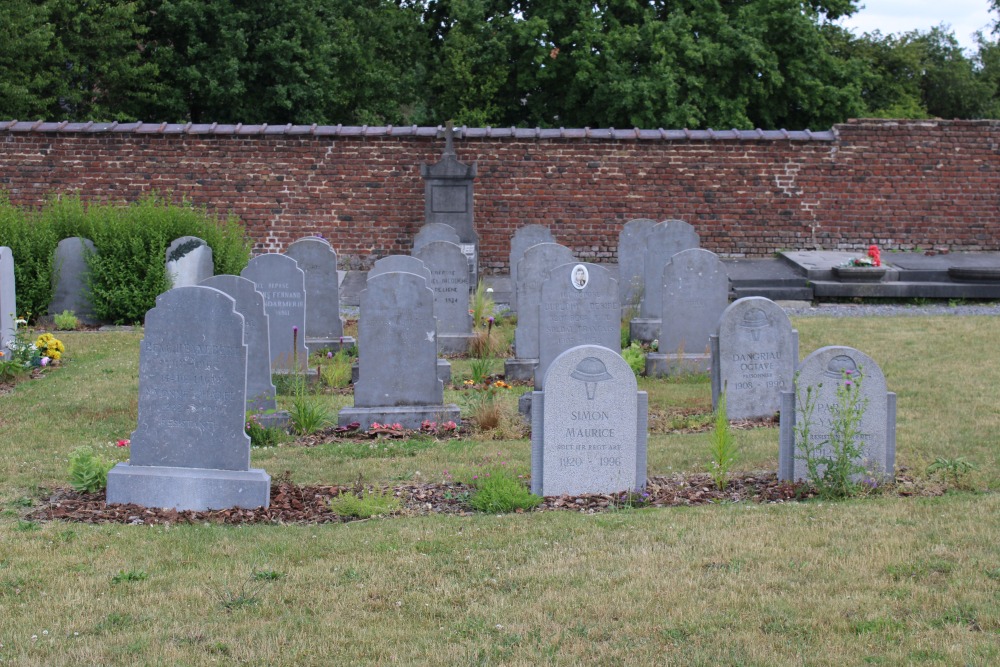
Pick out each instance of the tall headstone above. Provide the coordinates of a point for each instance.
(72, 275)
(524, 238)
(397, 345)
(318, 260)
(189, 261)
(588, 430)
(250, 304)
(695, 291)
(754, 354)
(824, 371)
(283, 284)
(190, 450)
(448, 197)
(631, 258)
(8, 297)
(663, 241)
(450, 282)
(533, 269)
(578, 306)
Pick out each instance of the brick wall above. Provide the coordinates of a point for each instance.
(901, 184)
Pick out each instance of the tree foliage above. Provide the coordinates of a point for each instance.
(549, 63)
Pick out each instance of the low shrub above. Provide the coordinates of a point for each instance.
(88, 473)
(364, 504)
(498, 490)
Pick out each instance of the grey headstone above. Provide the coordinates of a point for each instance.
(8, 297)
(631, 258)
(448, 191)
(434, 231)
(71, 276)
(190, 450)
(824, 371)
(400, 263)
(663, 241)
(754, 358)
(189, 261)
(533, 269)
(250, 304)
(318, 260)
(397, 354)
(283, 284)
(695, 292)
(578, 306)
(524, 238)
(450, 282)
(588, 431)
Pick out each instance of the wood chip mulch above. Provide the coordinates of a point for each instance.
(294, 504)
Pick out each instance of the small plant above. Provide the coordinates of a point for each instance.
(364, 504)
(873, 258)
(129, 575)
(957, 469)
(268, 575)
(261, 435)
(337, 373)
(485, 409)
(307, 415)
(480, 369)
(481, 305)
(498, 490)
(49, 346)
(88, 473)
(632, 500)
(635, 358)
(66, 321)
(834, 465)
(722, 445)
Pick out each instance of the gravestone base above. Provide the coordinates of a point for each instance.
(196, 489)
(524, 405)
(667, 365)
(315, 345)
(275, 419)
(407, 416)
(453, 343)
(519, 370)
(443, 372)
(644, 329)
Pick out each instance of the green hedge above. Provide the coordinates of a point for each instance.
(128, 270)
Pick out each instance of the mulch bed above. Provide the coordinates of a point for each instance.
(294, 504)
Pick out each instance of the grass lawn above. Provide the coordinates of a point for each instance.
(880, 580)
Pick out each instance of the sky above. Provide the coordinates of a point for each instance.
(897, 16)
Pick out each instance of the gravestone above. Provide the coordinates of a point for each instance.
(663, 241)
(448, 198)
(400, 263)
(283, 284)
(71, 276)
(824, 371)
(588, 430)
(397, 348)
(250, 304)
(190, 450)
(434, 231)
(533, 268)
(8, 298)
(450, 282)
(578, 306)
(189, 261)
(754, 354)
(405, 264)
(524, 238)
(631, 257)
(695, 292)
(318, 260)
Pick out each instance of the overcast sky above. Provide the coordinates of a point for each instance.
(897, 16)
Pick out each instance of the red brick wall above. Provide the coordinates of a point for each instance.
(905, 184)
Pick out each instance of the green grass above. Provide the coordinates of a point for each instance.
(880, 580)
